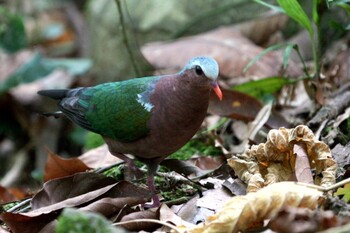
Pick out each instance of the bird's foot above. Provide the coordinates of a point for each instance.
(155, 202)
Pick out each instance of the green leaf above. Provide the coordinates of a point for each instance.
(34, 69)
(260, 55)
(345, 192)
(263, 87)
(12, 32)
(273, 7)
(296, 12)
(286, 54)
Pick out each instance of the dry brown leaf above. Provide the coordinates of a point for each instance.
(302, 165)
(57, 167)
(262, 30)
(6, 195)
(229, 47)
(214, 199)
(99, 157)
(139, 225)
(293, 220)
(89, 191)
(168, 215)
(241, 212)
(274, 161)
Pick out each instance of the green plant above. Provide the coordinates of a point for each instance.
(312, 25)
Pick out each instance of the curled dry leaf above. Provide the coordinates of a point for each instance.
(241, 212)
(274, 161)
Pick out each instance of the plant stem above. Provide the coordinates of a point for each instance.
(125, 38)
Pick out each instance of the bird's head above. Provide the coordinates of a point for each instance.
(208, 68)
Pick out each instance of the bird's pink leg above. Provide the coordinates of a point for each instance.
(152, 188)
(132, 170)
(152, 169)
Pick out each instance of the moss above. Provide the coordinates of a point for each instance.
(202, 146)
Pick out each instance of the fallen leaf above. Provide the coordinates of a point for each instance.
(274, 161)
(289, 220)
(214, 199)
(341, 154)
(86, 190)
(241, 212)
(190, 213)
(168, 215)
(57, 167)
(227, 45)
(208, 162)
(302, 165)
(182, 167)
(139, 225)
(240, 106)
(99, 157)
(6, 196)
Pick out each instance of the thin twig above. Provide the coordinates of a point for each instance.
(326, 189)
(19, 205)
(125, 38)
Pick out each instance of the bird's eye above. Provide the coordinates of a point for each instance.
(198, 70)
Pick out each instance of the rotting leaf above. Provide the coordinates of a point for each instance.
(90, 185)
(137, 226)
(86, 190)
(57, 167)
(241, 106)
(182, 167)
(168, 215)
(241, 212)
(274, 161)
(305, 220)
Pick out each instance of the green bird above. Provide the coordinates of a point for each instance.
(149, 118)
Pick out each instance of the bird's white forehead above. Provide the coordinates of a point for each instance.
(209, 66)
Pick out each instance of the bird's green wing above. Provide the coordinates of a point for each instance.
(119, 110)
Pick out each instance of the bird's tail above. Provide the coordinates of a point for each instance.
(54, 93)
(52, 114)
(59, 94)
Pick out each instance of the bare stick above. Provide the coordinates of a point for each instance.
(125, 38)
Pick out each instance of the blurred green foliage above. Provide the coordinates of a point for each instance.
(78, 221)
(12, 32)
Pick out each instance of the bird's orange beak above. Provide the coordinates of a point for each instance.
(217, 89)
